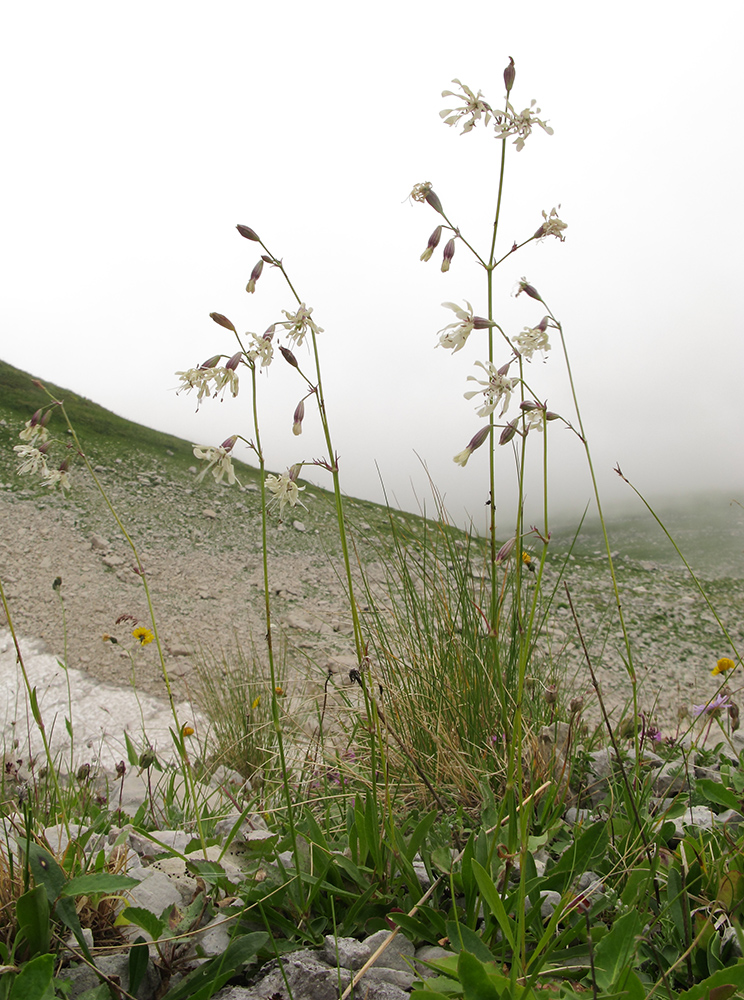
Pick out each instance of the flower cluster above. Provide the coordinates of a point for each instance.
(32, 455)
(507, 123)
(210, 379)
(533, 339)
(552, 226)
(298, 324)
(262, 348)
(454, 336)
(520, 124)
(220, 462)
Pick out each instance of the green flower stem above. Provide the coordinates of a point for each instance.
(186, 766)
(269, 639)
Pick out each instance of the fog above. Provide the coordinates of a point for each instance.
(138, 136)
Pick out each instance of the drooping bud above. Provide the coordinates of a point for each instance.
(528, 289)
(35, 418)
(211, 362)
(449, 253)
(476, 441)
(248, 233)
(255, 275)
(528, 405)
(121, 769)
(294, 472)
(234, 361)
(508, 432)
(432, 244)
(222, 321)
(509, 75)
(229, 443)
(288, 356)
(479, 323)
(433, 200)
(549, 415)
(299, 416)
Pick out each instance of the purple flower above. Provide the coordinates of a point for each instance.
(714, 705)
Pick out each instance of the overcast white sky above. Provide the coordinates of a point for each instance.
(138, 135)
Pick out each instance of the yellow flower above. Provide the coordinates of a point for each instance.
(187, 730)
(722, 666)
(255, 702)
(279, 692)
(143, 635)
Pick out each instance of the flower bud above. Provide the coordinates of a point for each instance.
(288, 356)
(299, 416)
(432, 244)
(248, 233)
(234, 361)
(528, 405)
(549, 415)
(46, 417)
(528, 289)
(551, 694)
(35, 418)
(505, 551)
(121, 769)
(449, 253)
(509, 74)
(211, 362)
(223, 321)
(294, 472)
(83, 772)
(255, 275)
(576, 705)
(229, 443)
(433, 200)
(508, 432)
(479, 323)
(477, 440)
(57, 583)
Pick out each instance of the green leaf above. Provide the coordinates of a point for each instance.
(32, 914)
(48, 873)
(615, 953)
(714, 791)
(97, 883)
(35, 981)
(143, 918)
(493, 900)
(731, 976)
(474, 978)
(132, 755)
(34, 699)
(419, 834)
(590, 847)
(463, 939)
(211, 977)
(139, 956)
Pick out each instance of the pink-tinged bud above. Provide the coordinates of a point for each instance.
(36, 417)
(505, 551)
(255, 275)
(299, 416)
(288, 356)
(542, 326)
(549, 415)
(269, 332)
(64, 465)
(46, 417)
(528, 289)
(479, 438)
(248, 233)
(234, 361)
(479, 323)
(449, 253)
(509, 75)
(222, 321)
(229, 443)
(508, 432)
(211, 362)
(434, 201)
(294, 472)
(266, 259)
(504, 370)
(528, 405)
(432, 244)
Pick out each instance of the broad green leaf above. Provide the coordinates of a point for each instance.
(139, 956)
(35, 981)
(48, 873)
(463, 939)
(676, 901)
(616, 952)
(587, 850)
(731, 976)
(714, 791)
(419, 834)
(97, 883)
(32, 914)
(474, 978)
(143, 918)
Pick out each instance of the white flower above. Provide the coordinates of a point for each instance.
(474, 107)
(497, 387)
(534, 419)
(285, 491)
(31, 460)
(552, 226)
(454, 336)
(262, 349)
(532, 339)
(461, 458)
(220, 462)
(299, 323)
(519, 124)
(57, 477)
(34, 432)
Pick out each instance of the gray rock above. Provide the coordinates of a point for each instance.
(429, 953)
(81, 977)
(671, 779)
